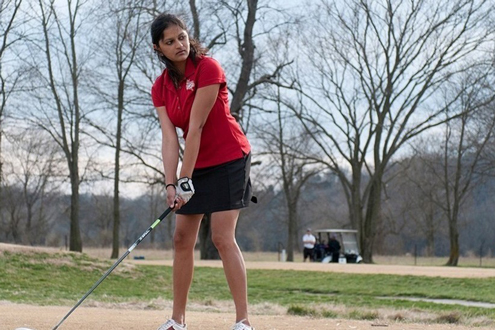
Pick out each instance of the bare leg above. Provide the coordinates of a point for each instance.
(185, 235)
(223, 235)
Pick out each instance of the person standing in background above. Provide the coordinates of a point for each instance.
(309, 241)
(334, 248)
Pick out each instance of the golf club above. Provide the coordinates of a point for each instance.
(143, 236)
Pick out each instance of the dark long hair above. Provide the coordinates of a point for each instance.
(162, 22)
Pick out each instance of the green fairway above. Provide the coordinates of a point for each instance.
(54, 279)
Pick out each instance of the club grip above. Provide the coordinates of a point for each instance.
(164, 214)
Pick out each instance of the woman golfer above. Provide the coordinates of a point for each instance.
(192, 94)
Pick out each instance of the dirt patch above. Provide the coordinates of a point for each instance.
(88, 318)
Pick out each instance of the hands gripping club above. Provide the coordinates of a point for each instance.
(185, 189)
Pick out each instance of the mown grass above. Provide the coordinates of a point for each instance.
(62, 278)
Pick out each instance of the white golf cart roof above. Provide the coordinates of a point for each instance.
(336, 231)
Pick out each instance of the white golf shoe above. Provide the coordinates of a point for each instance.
(172, 325)
(241, 326)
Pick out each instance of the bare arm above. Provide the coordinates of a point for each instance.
(170, 152)
(203, 102)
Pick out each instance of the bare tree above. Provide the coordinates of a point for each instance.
(379, 66)
(102, 218)
(417, 194)
(31, 180)
(61, 113)
(9, 76)
(443, 171)
(284, 143)
(12, 213)
(487, 161)
(125, 19)
(464, 144)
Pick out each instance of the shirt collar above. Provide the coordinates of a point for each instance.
(190, 69)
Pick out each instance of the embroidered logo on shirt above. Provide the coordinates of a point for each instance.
(189, 85)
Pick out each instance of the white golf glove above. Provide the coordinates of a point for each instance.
(185, 189)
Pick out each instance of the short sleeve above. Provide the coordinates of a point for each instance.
(157, 93)
(209, 73)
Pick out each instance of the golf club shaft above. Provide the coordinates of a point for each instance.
(143, 236)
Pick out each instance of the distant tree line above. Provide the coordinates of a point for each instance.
(262, 227)
(372, 115)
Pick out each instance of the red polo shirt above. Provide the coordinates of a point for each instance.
(222, 139)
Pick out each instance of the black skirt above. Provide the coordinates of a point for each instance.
(220, 188)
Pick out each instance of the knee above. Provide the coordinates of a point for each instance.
(222, 242)
(182, 241)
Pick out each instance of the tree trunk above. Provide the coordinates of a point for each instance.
(29, 221)
(291, 239)
(246, 50)
(14, 230)
(1, 156)
(116, 220)
(353, 192)
(454, 249)
(75, 243)
(373, 212)
(207, 248)
(430, 233)
(116, 182)
(453, 238)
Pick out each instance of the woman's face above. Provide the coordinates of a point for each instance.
(174, 44)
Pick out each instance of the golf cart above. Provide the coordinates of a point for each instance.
(327, 250)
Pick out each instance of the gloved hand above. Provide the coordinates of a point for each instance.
(185, 189)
